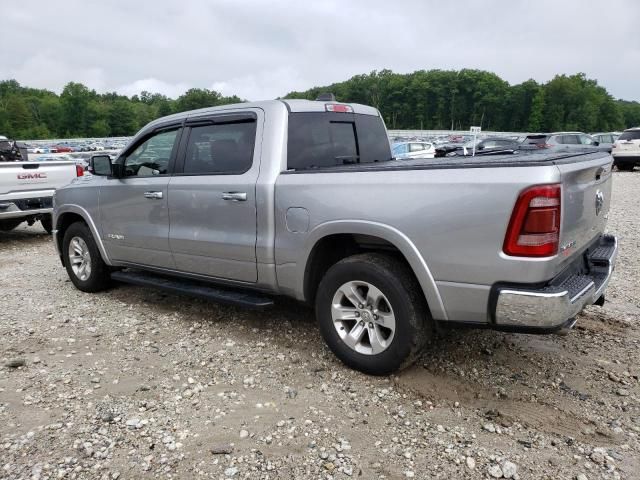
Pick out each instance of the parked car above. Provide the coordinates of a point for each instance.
(606, 140)
(12, 151)
(405, 150)
(626, 149)
(64, 149)
(303, 199)
(485, 146)
(563, 141)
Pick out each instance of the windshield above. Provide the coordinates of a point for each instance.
(630, 135)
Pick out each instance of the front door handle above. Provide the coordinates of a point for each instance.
(235, 196)
(153, 195)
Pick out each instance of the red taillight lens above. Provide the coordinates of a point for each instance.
(543, 145)
(534, 228)
(79, 171)
(338, 107)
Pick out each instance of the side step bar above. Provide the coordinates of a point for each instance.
(194, 289)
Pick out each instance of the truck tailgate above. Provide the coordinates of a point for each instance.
(586, 196)
(18, 177)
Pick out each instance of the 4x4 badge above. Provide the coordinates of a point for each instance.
(599, 202)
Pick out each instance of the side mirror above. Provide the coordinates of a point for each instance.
(480, 147)
(100, 165)
(596, 143)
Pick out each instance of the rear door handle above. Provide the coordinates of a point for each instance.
(153, 195)
(235, 196)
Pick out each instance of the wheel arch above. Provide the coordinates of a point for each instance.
(69, 214)
(331, 242)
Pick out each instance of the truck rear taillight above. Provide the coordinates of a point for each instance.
(79, 171)
(534, 228)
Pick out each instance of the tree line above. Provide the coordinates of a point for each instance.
(434, 99)
(456, 100)
(30, 113)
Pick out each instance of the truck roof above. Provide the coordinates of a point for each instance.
(292, 105)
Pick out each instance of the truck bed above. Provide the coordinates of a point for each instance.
(454, 211)
(522, 159)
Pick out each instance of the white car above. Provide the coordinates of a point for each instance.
(407, 150)
(626, 149)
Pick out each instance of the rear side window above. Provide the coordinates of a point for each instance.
(630, 135)
(568, 139)
(221, 148)
(318, 140)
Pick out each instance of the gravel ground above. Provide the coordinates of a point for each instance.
(133, 383)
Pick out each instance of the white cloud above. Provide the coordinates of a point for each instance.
(258, 49)
(153, 85)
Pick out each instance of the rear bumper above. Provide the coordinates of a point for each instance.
(25, 207)
(554, 305)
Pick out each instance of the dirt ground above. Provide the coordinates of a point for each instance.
(134, 383)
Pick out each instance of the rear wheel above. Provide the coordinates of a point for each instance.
(83, 261)
(625, 167)
(10, 224)
(47, 223)
(372, 313)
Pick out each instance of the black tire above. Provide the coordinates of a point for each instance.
(625, 167)
(99, 278)
(9, 224)
(47, 223)
(413, 324)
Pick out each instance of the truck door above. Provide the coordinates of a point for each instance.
(133, 208)
(212, 196)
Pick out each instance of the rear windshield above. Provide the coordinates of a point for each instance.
(535, 140)
(630, 135)
(326, 139)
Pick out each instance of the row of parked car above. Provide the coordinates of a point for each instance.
(75, 146)
(625, 146)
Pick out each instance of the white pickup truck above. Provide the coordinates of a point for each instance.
(26, 190)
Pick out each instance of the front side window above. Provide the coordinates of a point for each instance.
(586, 140)
(152, 156)
(221, 148)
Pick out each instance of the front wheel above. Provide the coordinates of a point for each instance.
(83, 261)
(372, 313)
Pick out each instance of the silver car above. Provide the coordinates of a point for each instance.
(406, 150)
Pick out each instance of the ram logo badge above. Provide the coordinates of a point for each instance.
(115, 236)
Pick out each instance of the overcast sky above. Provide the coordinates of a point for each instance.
(264, 49)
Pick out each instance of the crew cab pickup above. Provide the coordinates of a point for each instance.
(303, 199)
(26, 190)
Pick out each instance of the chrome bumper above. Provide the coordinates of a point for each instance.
(554, 305)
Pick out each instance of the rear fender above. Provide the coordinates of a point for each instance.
(391, 235)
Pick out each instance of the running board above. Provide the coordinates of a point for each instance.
(193, 288)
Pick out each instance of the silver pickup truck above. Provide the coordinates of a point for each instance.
(300, 198)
